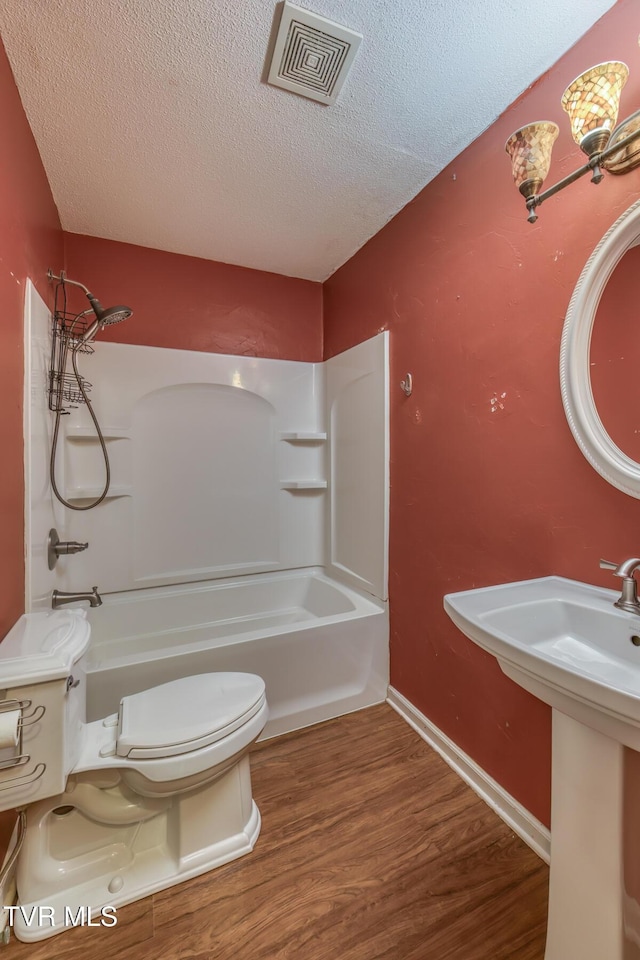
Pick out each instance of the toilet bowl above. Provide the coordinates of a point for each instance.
(119, 808)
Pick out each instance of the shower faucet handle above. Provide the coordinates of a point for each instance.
(69, 546)
(61, 548)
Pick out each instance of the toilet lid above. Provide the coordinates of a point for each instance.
(187, 714)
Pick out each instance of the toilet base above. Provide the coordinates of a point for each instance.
(75, 866)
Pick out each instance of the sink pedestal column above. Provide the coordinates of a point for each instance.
(586, 885)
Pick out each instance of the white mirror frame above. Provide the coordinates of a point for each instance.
(575, 374)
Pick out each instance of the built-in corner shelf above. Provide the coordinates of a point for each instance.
(304, 437)
(303, 484)
(89, 435)
(92, 493)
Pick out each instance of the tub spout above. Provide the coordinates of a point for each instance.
(59, 597)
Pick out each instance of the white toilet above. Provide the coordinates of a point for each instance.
(122, 807)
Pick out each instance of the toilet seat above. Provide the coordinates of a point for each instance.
(186, 714)
(206, 738)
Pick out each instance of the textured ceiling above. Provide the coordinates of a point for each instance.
(156, 127)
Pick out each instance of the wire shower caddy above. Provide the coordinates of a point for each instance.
(65, 388)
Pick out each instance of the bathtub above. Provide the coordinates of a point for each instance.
(321, 647)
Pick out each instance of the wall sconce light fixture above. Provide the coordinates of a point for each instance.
(592, 102)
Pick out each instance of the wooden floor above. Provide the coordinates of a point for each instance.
(371, 849)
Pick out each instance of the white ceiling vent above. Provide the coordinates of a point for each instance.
(312, 55)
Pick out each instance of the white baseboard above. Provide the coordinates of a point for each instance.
(532, 831)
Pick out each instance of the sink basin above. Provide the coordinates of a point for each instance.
(566, 643)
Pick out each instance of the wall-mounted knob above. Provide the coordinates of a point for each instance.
(60, 548)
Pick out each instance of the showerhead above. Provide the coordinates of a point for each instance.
(104, 317)
(111, 314)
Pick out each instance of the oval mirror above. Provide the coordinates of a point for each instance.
(597, 362)
(615, 355)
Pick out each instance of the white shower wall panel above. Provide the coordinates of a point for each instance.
(42, 511)
(356, 413)
(198, 465)
(205, 457)
(221, 466)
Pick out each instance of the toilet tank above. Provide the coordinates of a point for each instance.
(42, 704)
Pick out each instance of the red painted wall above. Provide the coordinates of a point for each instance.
(194, 304)
(487, 483)
(30, 240)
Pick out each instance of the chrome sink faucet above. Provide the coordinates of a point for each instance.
(629, 598)
(59, 597)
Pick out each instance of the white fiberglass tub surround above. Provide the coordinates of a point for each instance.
(321, 647)
(239, 486)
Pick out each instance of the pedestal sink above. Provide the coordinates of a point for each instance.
(567, 644)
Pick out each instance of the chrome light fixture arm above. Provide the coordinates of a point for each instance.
(593, 164)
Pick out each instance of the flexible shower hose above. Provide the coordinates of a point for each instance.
(56, 430)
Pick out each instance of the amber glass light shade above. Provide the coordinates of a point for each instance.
(592, 102)
(530, 152)
(628, 158)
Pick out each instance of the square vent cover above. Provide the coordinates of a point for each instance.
(312, 55)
